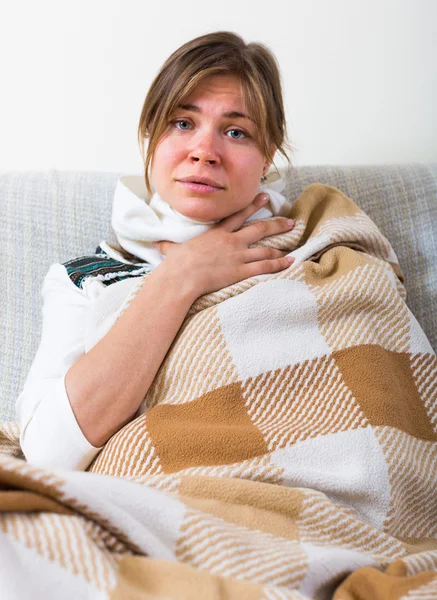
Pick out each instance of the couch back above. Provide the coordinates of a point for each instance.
(53, 216)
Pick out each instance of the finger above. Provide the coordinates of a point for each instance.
(254, 232)
(256, 254)
(163, 246)
(267, 266)
(235, 221)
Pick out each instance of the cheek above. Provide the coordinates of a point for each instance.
(250, 166)
(246, 180)
(250, 162)
(166, 157)
(166, 153)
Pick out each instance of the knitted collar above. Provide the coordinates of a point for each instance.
(139, 220)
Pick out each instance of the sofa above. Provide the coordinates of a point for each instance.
(52, 216)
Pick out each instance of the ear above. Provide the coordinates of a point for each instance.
(268, 164)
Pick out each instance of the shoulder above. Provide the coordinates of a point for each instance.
(102, 267)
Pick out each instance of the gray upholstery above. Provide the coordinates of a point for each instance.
(53, 216)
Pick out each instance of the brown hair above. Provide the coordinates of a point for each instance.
(221, 52)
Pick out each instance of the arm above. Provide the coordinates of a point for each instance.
(60, 420)
(49, 433)
(106, 393)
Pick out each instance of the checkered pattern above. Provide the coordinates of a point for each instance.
(286, 446)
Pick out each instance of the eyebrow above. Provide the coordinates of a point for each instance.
(231, 114)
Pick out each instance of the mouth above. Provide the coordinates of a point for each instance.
(201, 180)
(201, 185)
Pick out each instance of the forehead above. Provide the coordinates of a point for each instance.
(219, 88)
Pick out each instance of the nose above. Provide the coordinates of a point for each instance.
(205, 149)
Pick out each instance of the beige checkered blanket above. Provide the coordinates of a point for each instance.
(286, 448)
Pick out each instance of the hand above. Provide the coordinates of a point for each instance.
(221, 256)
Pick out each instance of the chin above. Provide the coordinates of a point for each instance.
(196, 208)
(199, 216)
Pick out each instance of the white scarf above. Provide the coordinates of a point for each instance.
(139, 220)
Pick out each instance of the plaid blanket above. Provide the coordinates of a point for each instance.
(286, 448)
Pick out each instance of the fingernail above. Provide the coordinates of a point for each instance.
(264, 199)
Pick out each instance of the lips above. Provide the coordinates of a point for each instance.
(201, 181)
(200, 188)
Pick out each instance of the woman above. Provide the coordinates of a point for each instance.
(214, 120)
(289, 437)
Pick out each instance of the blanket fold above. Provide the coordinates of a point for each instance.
(285, 449)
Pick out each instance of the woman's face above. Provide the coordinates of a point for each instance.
(209, 137)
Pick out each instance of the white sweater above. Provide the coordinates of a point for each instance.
(50, 436)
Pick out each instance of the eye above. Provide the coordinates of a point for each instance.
(241, 133)
(181, 122)
(184, 125)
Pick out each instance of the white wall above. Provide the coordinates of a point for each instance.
(359, 76)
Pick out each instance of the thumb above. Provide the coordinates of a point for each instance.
(163, 246)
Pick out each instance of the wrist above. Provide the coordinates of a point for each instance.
(175, 277)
